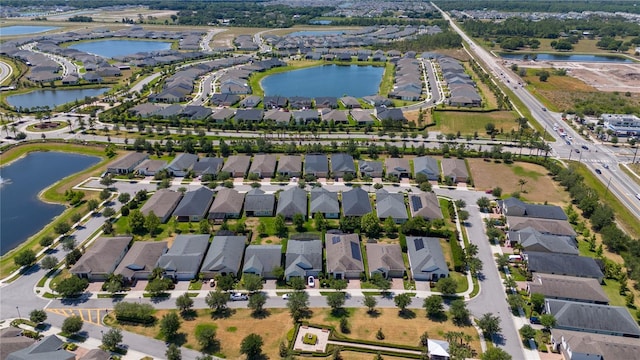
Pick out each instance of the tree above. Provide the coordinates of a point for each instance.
(497, 191)
(252, 282)
(537, 302)
(72, 324)
(402, 301)
(256, 302)
(92, 205)
(151, 222)
(124, 197)
(483, 203)
(173, 352)
(298, 305)
(370, 225)
(217, 300)
(111, 339)
(71, 286)
(298, 221)
(459, 312)
(38, 316)
(489, 324)
(46, 240)
(25, 258)
(336, 300)
(107, 180)
(547, 321)
(62, 227)
(434, 306)
(280, 226)
(184, 303)
(105, 194)
(463, 215)
(527, 332)
(319, 222)
(495, 353)
(204, 226)
(297, 283)
(169, 325)
(158, 286)
(136, 222)
(370, 302)
(515, 302)
(225, 282)
(68, 244)
(251, 346)
(446, 286)
(206, 335)
(108, 212)
(424, 340)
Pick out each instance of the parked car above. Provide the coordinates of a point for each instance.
(212, 283)
(311, 282)
(239, 297)
(285, 296)
(534, 320)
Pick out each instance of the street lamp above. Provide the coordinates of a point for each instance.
(570, 154)
(18, 309)
(608, 183)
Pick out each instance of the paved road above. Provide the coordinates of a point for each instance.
(68, 67)
(205, 44)
(5, 71)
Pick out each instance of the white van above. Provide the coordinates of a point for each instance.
(515, 258)
(638, 196)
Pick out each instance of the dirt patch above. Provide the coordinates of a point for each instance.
(539, 187)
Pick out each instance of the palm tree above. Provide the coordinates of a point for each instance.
(69, 125)
(5, 128)
(14, 130)
(522, 182)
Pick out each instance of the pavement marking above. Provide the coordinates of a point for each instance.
(92, 316)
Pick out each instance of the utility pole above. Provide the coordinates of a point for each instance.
(608, 183)
(634, 155)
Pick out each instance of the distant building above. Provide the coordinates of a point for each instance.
(622, 124)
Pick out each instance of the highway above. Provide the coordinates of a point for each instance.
(621, 185)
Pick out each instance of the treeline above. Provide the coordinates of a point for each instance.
(444, 40)
(80, 18)
(362, 21)
(551, 28)
(602, 220)
(540, 6)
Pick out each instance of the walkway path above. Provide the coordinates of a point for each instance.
(374, 347)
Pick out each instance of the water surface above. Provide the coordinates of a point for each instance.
(114, 48)
(51, 98)
(24, 29)
(22, 213)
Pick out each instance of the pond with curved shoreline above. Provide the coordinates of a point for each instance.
(110, 48)
(23, 213)
(325, 80)
(52, 97)
(25, 29)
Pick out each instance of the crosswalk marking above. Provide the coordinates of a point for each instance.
(92, 316)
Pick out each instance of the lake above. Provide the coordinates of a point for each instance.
(23, 214)
(51, 98)
(114, 48)
(326, 80)
(317, 33)
(569, 57)
(22, 29)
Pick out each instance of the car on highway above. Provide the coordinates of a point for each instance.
(585, 147)
(638, 196)
(598, 171)
(606, 166)
(577, 151)
(238, 297)
(544, 109)
(568, 142)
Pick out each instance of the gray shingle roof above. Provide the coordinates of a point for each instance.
(425, 205)
(545, 226)
(49, 348)
(614, 320)
(183, 162)
(316, 163)
(292, 201)
(261, 259)
(584, 345)
(103, 256)
(257, 200)
(227, 201)
(290, 164)
(142, 256)
(224, 255)
(371, 168)
(303, 255)
(185, 254)
(425, 255)
(343, 253)
(128, 161)
(194, 203)
(324, 201)
(208, 165)
(263, 164)
(391, 205)
(426, 165)
(384, 257)
(162, 203)
(561, 264)
(455, 168)
(568, 287)
(533, 240)
(237, 163)
(342, 163)
(355, 202)
(516, 207)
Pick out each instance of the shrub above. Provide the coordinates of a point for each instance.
(310, 339)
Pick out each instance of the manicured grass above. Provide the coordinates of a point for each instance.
(195, 285)
(276, 325)
(386, 85)
(450, 122)
(633, 173)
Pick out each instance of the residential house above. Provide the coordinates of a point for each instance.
(127, 163)
(544, 226)
(350, 102)
(12, 340)
(224, 99)
(303, 258)
(182, 164)
(224, 256)
(306, 116)
(263, 165)
(578, 345)
(428, 166)
(96, 354)
(438, 349)
(250, 101)
(183, 259)
(592, 318)
(208, 166)
(162, 203)
(344, 257)
(371, 168)
(237, 165)
(342, 164)
(150, 167)
(335, 116)
(300, 102)
(385, 259)
(532, 240)
(291, 202)
(562, 264)
(274, 102)
(316, 165)
(194, 205)
(377, 100)
(290, 165)
(102, 258)
(259, 203)
(329, 102)
(516, 207)
(425, 205)
(226, 205)
(249, 115)
(397, 167)
(222, 115)
(390, 114)
(140, 260)
(355, 202)
(391, 205)
(325, 202)
(262, 260)
(362, 117)
(279, 116)
(50, 348)
(570, 288)
(456, 169)
(426, 259)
